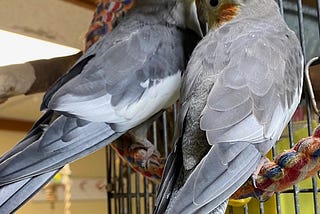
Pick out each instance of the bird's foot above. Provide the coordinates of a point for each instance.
(147, 152)
(255, 174)
(151, 150)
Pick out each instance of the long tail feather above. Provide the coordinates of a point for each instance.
(16, 194)
(63, 141)
(170, 175)
(51, 144)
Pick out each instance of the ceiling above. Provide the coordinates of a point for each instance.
(90, 4)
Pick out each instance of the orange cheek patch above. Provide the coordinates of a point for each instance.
(226, 13)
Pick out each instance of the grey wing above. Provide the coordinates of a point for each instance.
(250, 103)
(125, 74)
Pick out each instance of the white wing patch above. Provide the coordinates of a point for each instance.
(158, 97)
(99, 109)
(145, 83)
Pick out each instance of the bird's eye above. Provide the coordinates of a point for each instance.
(214, 3)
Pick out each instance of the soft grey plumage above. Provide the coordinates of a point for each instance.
(121, 81)
(241, 87)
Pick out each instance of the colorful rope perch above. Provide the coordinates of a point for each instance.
(105, 17)
(288, 168)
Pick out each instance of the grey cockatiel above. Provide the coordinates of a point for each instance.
(119, 83)
(241, 86)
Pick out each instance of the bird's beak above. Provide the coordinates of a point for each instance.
(201, 17)
(195, 21)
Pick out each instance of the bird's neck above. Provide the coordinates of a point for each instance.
(181, 13)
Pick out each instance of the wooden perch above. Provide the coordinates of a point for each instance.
(34, 76)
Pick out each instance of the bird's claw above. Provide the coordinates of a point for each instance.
(253, 178)
(150, 151)
(255, 174)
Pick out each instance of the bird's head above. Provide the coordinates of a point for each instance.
(214, 13)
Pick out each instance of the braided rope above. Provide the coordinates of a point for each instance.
(105, 17)
(288, 168)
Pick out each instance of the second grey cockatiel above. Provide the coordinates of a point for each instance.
(241, 86)
(122, 81)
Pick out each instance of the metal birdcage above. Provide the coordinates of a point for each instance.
(129, 192)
